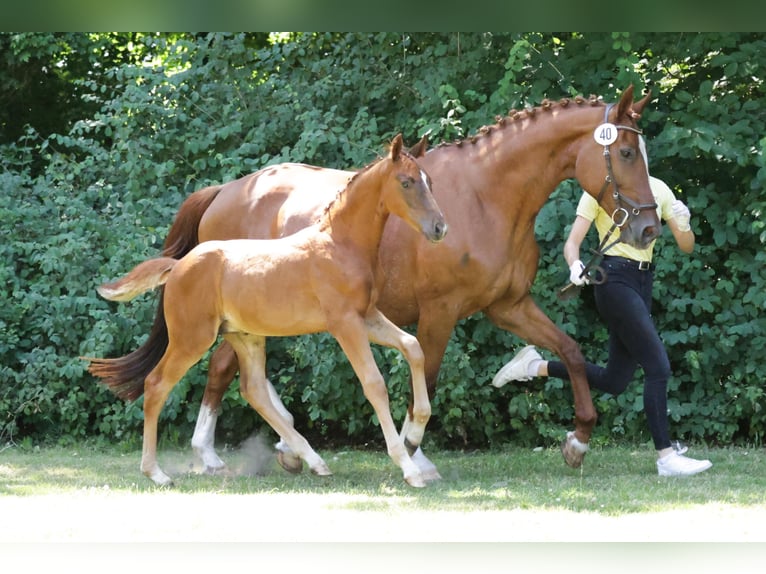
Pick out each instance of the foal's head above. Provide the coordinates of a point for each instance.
(407, 193)
(611, 167)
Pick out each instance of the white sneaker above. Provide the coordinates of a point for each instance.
(675, 464)
(517, 369)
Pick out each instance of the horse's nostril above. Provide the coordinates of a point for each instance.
(649, 234)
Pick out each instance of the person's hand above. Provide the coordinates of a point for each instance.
(575, 273)
(681, 215)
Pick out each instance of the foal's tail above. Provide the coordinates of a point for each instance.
(145, 276)
(125, 376)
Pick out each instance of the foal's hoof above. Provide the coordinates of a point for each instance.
(291, 463)
(160, 479)
(573, 450)
(415, 480)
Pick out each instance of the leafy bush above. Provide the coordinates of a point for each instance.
(153, 117)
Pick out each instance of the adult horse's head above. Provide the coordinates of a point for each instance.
(611, 167)
(408, 194)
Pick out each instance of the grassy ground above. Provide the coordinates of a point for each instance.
(612, 481)
(93, 495)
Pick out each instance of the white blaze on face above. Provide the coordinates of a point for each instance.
(424, 179)
(642, 148)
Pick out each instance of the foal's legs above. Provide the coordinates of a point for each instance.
(383, 332)
(434, 330)
(223, 368)
(157, 386)
(352, 335)
(257, 390)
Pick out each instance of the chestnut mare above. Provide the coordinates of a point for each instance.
(491, 188)
(323, 278)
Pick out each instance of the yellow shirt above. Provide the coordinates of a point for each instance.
(592, 211)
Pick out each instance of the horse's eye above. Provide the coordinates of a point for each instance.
(405, 184)
(628, 152)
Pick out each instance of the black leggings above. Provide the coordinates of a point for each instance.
(625, 303)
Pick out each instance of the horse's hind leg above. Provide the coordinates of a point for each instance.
(353, 339)
(258, 391)
(287, 459)
(222, 370)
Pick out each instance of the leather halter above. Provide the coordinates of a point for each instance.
(636, 208)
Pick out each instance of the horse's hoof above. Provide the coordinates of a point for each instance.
(415, 480)
(291, 463)
(573, 450)
(214, 470)
(426, 467)
(321, 469)
(161, 479)
(213, 464)
(432, 476)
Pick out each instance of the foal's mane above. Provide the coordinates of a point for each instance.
(528, 113)
(333, 205)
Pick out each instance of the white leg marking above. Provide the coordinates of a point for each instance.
(427, 468)
(203, 441)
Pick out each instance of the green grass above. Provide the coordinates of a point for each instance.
(613, 480)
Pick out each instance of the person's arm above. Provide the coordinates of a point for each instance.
(680, 227)
(577, 235)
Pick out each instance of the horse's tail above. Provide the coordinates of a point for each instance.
(144, 277)
(125, 376)
(183, 234)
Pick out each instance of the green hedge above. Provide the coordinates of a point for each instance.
(153, 117)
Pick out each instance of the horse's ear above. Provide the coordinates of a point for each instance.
(628, 107)
(638, 107)
(396, 147)
(626, 101)
(419, 149)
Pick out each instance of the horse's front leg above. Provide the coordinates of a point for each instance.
(525, 319)
(352, 335)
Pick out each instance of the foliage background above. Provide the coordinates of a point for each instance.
(103, 135)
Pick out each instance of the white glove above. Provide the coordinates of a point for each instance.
(575, 272)
(681, 215)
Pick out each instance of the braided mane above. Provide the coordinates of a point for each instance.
(527, 113)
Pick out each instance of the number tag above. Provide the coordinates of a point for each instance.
(605, 134)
